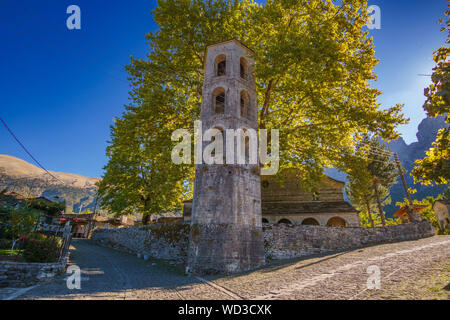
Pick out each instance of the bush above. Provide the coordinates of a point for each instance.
(40, 248)
(19, 222)
(5, 244)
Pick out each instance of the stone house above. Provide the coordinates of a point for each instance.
(442, 210)
(287, 202)
(102, 222)
(80, 224)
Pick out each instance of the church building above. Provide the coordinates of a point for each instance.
(286, 202)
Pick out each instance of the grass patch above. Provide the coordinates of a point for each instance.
(6, 252)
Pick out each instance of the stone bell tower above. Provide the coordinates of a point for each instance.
(226, 225)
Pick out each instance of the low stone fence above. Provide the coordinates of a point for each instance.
(282, 241)
(24, 274)
(170, 241)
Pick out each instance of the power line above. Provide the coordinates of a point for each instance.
(375, 147)
(370, 160)
(377, 150)
(381, 153)
(28, 152)
(361, 157)
(381, 149)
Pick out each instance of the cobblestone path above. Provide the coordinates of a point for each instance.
(408, 270)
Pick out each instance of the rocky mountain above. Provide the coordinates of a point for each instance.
(19, 176)
(408, 153)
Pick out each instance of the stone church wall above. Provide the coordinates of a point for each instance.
(169, 241)
(283, 241)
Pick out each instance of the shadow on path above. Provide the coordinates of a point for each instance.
(107, 270)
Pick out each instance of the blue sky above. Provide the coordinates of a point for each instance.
(60, 89)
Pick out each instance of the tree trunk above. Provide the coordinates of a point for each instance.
(146, 214)
(380, 207)
(370, 214)
(145, 219)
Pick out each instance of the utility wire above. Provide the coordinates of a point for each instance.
(381, 150)
(28, 152)
(380, 153)
(376, 148)
(368, 159)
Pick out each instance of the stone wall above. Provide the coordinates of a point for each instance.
(283, 241)
(170, 241)
(24, 274)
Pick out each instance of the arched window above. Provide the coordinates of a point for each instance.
(221, 65)
(219, 101)
(310, 222)
(244, 68)
(264, 220)
(284, 221)
(244, 103)
(337, 222)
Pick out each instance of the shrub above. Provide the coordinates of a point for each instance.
(5, 244)
(40, 248)
(19, 222)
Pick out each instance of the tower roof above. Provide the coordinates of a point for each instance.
(223, 42)
(231, 40)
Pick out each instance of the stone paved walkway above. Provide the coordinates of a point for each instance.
(408, 270)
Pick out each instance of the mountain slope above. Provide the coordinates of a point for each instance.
(24, 178)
